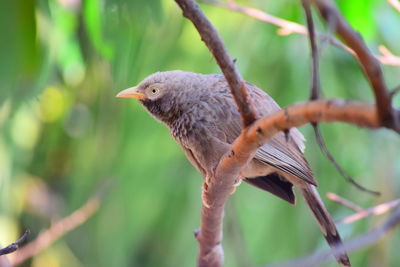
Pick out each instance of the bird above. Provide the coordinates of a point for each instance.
(202, 117)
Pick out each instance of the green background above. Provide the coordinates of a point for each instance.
(63, 133)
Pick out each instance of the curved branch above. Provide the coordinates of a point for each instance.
(376, 210)
(14, 246)
(287, 27)
(364, 240)
(242, 150)
(369, 63)
(344, 202)
(56, 231)
(395, 4)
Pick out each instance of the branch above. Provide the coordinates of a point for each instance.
(251, 138)
(377, 210)
(287, 27)
(211, 38)
(14, 246)
(315, 93)
(342, 172)
(315, 90)
(368, 61)
(365, 240)
(210, 235)
(218, 187)
(395, 4)
(387, 57)
(344, 202)
(360, 212)
(395, 91)
(56, 231)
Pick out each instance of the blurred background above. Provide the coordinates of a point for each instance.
(63, 134)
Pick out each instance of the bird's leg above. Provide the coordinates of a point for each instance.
(238, 181)
(204, 192)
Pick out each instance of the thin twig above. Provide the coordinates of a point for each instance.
(395, 91)
(315, 93)
(56, 231)
(315, 89)
(211, 38)
(362, 241)
(369, 63)
(342, 172)
(377, 210)
(395, 4)
(14, 246)
(287, 27)
(344, 202)
(387, 57)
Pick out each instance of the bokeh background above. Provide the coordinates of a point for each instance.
(63, 134)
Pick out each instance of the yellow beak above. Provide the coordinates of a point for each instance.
(131, 92)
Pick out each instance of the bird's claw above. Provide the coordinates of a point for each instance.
(235, 185)
(204, 196)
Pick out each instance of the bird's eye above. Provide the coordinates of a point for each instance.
(154, 90)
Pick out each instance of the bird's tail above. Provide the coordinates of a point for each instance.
(326, 223)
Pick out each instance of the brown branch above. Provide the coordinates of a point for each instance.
(376, 210)
(315, 89)
(257, 134)
(287, 27)
(395, 91)
(360, 212)
(369, 63)
(342, 172)
(211, 38)
(315, 93)
(345, 202)
(55, 232)
(362, 241)
(395, 4)
(14, 246)
(210, 235)
(387, 57)
(218, 187)
(4, 261)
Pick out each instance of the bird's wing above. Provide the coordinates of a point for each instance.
(285, 154)
(286, 157)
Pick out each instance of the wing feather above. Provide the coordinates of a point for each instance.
(285, 155)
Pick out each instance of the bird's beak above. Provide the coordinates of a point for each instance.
(131, 92)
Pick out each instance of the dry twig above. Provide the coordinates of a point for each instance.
(55, 232)
(287, 27)
(370, 65)
(360, 212)
(376, 210)
(342, 172)
(344, 202)
(395, 4)
(315, 93)
(14, 246)
(362, 241)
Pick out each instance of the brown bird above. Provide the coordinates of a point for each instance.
(203, 118)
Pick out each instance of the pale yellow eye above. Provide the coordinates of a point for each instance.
(154, 91)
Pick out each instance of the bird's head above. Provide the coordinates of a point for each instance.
(166, 95)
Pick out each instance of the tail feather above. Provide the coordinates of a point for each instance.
(326, 223)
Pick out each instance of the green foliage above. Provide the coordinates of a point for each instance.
(63, 133)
